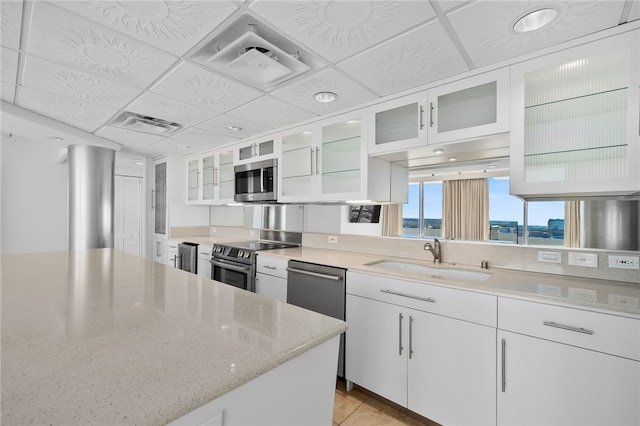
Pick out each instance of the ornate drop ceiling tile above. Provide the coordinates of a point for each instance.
(64, 107)
(174, 26)
(339, 29)
(419, 57)
(206, 89)
(301, 93)
(271, 112)
(634, 15)
(486, 28)
(8, 92)
(127, 137)
(9, 66)
(447, 5)
(54, 78)
(233, 127)
(10, 23)
(199, 136)
(70, 40)
(170, 109)
(175, 146)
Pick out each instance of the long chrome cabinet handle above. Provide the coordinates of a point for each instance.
(269, 267)
(395, 293)
(153, 201)
(421, 121)
(504, 367)
(317, 155)
(567, 327)
(311, 158)
(410, 336)
(315, 274)
(430, 114)
(400, 317)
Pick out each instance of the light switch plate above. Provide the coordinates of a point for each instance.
(589, 260)
(333, 239)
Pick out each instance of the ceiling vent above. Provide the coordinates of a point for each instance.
(145, 124)
(250, 51)
(257, 60)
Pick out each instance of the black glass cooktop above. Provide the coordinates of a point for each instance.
(258, 245)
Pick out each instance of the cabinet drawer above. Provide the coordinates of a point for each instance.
(591, 330)
(465, 305)
(272, 266)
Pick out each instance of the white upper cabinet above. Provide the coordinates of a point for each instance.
(328, 161)
(470, 108)
(574, 124)
(398, 125)
(210, 178)
(255, 150)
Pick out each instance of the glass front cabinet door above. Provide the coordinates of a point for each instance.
(574, 124)
(217, 178)
(471, 108)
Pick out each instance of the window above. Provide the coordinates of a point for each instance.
(422, 215)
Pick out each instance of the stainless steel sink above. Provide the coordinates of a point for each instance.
(436, 271)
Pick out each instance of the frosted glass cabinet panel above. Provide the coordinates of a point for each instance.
(159, 201)
(193, 180)
(575, 121)
(212, 182)
(341, 157)
(255, 151)
(474, 107)
(298, 164)
(398, 124)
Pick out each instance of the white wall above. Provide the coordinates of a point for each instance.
(34, 196)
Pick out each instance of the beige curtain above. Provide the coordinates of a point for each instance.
(572, 223)
(391, 220)
(465, 209)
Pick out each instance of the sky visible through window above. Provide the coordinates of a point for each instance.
(502, 206)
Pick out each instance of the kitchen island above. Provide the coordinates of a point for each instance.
(104, 337)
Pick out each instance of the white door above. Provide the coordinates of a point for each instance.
(128, 214)
(452, 364)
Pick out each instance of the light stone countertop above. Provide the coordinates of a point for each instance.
(603, 295)
(103, 337)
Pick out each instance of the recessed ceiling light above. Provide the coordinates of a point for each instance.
(452, 158)
(438, 151)
(234, 128)
(491, 166)
(325, 97)
(439, 171)
(181, 146)
(535, 20)
(138, 162)
(55, 138)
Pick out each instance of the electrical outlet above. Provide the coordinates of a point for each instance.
(582, 294)
(589, 260)
(624, 262)
(252, 233)
(627, 301)
(214, 229)
(550, 256)
(333, 239)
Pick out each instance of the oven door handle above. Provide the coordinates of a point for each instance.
(228, 265)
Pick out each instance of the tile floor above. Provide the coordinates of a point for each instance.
(356, 408)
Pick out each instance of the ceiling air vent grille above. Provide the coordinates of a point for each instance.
(145, 124)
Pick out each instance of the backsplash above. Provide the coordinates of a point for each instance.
(512, 257)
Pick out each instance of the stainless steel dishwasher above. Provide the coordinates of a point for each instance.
(318, 288)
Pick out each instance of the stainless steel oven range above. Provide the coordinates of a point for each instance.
(235, 263)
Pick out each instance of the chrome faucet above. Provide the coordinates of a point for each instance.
(435, 250)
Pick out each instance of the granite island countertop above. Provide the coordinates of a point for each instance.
(604, 295)
(105, 337)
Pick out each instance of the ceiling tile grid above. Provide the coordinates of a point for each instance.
(10, 23)
(272, 112)
(174, 146)
(337, 30)
(301, 92)
(418, 57)
(62, 37)
(169, 109)
(233, 127)
(59, 79)
(205, 89)
(173, 26)
(486, 28)
(64, 108)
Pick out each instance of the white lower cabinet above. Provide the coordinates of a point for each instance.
(438, 366)
(204, 258)
(271, 277)
(565, 366)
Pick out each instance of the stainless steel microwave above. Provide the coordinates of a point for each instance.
(256, 181)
